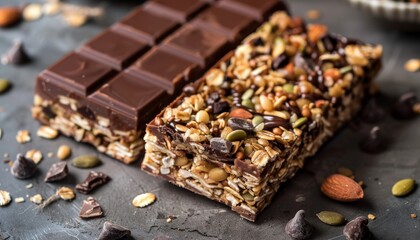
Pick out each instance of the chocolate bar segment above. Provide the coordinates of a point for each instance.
(259, 9)
(105, 92)
(249, 124)
(179, 10)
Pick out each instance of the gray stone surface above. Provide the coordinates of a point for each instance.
(197, 217)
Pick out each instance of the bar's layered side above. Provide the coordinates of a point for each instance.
(236, 135)
(106, 91)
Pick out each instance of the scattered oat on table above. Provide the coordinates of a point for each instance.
(32, 12)
(47, 132)
(35, 155)
(37, 199)
(144, 200)
(23, 136)
(29, 186)
(4, 198)
(413, 215)
(371, 216)
(19, 200)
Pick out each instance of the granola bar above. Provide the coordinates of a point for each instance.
(246, 127)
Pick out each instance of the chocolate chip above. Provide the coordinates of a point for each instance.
(374, 142)
(57, 172)
(239, 123)
(298, 228)
(403, 108)
(112, 231)
(257, 42)
(281, 61)
(212, 98)
(91, 209)
(220, 145)
(373, 113)
(16, 55)
(93, 180)
(23, 168)
(357, 229)
(86, 112)
(189, 89)
(219, 107)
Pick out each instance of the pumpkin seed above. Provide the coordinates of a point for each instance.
(247, 103)
(247, 94)
(218, 174)
(259, 127)
(331, 218)
(300, 122)
(4, 85)
(288, 88)
(403, 187)
(86, 161)
(248, 197)
(257, 120)
(236, 135)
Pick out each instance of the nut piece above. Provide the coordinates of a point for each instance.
(4, 198)
(9, 16)
(34, 155)
(342, 188)
(32, 12)
(412, 65)
(66, 193)
(23, 136)
(144, 200)
(63, 152)
(37, 199)
(47, 132)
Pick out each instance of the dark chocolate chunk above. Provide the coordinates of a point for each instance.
(23, 168)
(403, 108)
(281, 61)
(374, 142)
(298, 228)
(16, 55)
(240, 123)
(91, 209)
(357, 229)
(271, 122)
(372, 112)
(93, 180)
(112, 231)
(221, 145)
(58, 171)
(219, 107)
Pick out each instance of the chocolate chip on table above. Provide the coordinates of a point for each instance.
(221, 145)
(112, 231)
(298, 228)
(373, 112)
(16, 55)
(374, 142)
(357, 229)
(92, 181)
(23, 168)
(91, 209)
(57, 171)
(403, 109)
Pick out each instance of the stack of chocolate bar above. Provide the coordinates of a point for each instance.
(241, 130)
(105, 92)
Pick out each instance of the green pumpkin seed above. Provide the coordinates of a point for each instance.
(257, 120)
(236, 135)
(247, 94)
(86, 161)
(331, 218)
(247, 103)
(259, 127)
(288, 88)
(4, 85)
(248, 197)
(403, 187)
(300, 122)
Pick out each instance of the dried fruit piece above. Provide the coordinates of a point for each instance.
(63, 152)
(4, 85)
(47, 132)
(112, 231)
(412, 65)
(23, 136)
(357, 229)
(57, 171)
(9, 16)
(240, 113)
(342, 188)
(90, 209)
(92, 181)
(331, 218)
(298, 228)
(37, 199)
(34, 155)
(32, 12)
(403, 187)
(86, 161)
(374, 142)
(23, 168)
(66, 193)
(4, 198)
(19, 200)
(16, 55)
(144, 200)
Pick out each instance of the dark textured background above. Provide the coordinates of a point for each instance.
(198, 218)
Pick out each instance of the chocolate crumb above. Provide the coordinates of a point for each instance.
(16, 55)
(58, 171)
(91, 209)
(92, 181)
(23, 168)
(357, 229)
(298, 228)
(112, 231)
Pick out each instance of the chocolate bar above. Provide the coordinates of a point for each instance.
(245, 128)
(106, 91)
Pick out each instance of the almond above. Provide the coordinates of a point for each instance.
(342, 188)
(9, 16)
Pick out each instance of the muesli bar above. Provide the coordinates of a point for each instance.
(246, 127)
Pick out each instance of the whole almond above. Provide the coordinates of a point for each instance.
(9, 16)
(342, 188)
